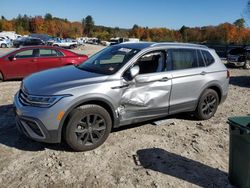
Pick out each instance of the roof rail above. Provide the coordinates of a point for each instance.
(179, 44)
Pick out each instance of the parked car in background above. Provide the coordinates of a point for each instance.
(239, 57)
(94, 41)
(5, 43)
(27, 60)
(117, 40)
(66, 43)
(44, 37)
(120, 85)
(10, 34)
(27, 41)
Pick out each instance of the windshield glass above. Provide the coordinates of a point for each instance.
(109, 60)
(237, 51)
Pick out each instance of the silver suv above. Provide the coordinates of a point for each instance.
(120, 85)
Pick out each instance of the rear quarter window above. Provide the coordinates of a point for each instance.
(207, 57)
(183, 58)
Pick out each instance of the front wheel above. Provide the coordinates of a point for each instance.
(88, 127)
(207, 105)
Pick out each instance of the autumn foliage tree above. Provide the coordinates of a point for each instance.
(225, 33)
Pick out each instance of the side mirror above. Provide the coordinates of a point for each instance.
(134, 71)
(12, 58)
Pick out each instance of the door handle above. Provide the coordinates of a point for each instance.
(119, 87)
(164, 79)
(203, 73)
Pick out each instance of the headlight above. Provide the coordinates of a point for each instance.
(44, 101)
(40, 101)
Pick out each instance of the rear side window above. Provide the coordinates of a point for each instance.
(183, 58)
(200, 59)
(207, 57)
(48, 53)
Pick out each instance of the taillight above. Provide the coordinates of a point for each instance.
(228, 74)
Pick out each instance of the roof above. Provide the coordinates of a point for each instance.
(179, 44)
(142, 45)
(136, 45)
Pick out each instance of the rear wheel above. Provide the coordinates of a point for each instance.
(3, 45)
(88, 127)
(207, 105)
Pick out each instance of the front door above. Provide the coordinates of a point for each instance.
(22, 64)
(147, 95)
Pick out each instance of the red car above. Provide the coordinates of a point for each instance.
(25, 61)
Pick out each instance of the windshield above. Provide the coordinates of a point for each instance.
(237, 51)
(109, 60)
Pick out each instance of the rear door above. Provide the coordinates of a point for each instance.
(48, 58)
(22, 64)
(188, 78)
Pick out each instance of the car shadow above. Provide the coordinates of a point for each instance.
(9, 135)
(242, 81)
(180, 167)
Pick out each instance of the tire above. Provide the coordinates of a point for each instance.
(80, 133)
(247, 64)
(207, 105)
(71, 46)
(1, 77)
(3, 45)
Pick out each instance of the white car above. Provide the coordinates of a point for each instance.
(5, 43)
(65, 44)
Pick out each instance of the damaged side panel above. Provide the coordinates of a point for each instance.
(145, 99)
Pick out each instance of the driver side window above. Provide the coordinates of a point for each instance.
(152, 62)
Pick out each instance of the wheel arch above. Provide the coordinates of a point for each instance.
(97, 101)
(1, 76)
(216, 87)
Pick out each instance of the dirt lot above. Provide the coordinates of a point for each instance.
(180, 152)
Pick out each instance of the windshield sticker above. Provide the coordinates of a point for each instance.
(126, 50)
(111, 68)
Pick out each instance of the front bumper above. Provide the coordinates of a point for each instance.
(34, 129)
(40, 124)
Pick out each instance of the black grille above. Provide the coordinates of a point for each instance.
(33, 126)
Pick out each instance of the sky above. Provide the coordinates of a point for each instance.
(172, 14)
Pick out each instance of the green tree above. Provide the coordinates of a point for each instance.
(183, 32)
(89, 25)
(240, 23)
(48, 16)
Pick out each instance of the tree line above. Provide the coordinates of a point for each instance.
(225, 33)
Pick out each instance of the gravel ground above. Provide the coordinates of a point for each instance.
(180, 152)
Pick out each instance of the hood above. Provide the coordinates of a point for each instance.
(54, 81)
